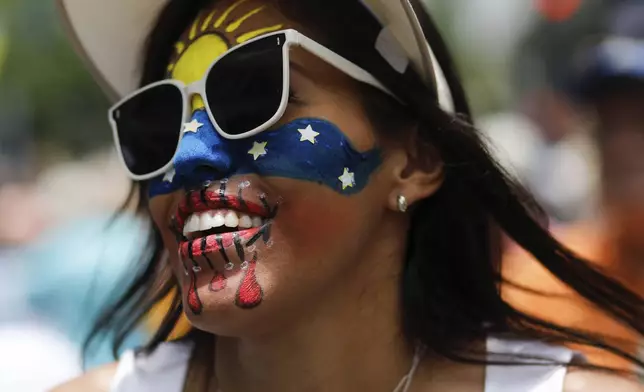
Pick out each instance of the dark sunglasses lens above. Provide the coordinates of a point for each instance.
(148, 127)
(244, 88)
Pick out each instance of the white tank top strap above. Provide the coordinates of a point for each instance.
(164, 370)
(527, 378)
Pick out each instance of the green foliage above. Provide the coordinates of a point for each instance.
(65, 106)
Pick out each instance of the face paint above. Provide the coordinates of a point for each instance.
(249, 294)
(232, 248)
(306, 149)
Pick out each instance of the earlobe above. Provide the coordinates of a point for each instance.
(415, 179)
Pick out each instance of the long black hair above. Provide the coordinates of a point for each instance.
(451, 281)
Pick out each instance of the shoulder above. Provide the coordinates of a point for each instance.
(590, 381)
(96, 380)
(163, 368)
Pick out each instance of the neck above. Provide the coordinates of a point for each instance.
(350, 340)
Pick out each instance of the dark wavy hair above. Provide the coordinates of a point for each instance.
(451, 281)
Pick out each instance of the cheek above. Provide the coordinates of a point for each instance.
(159, 208)
(316, 224)
(320, 226)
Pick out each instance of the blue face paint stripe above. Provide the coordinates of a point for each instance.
(307, 149)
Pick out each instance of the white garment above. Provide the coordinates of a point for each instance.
(165, 369)
(35, 358)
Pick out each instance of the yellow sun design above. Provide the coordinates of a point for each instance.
(207, 40)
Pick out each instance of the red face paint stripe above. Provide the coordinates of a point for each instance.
(227, 240)
(197, 201)
(195, 246)
(211, 243)
(234, 203)
(194, 302)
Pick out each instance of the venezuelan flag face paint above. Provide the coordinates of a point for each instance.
(247, 214)
(306, 149)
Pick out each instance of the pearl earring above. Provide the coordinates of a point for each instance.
(402, 203)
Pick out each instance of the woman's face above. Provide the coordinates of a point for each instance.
(267, 226)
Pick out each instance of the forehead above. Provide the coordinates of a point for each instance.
(222, 26)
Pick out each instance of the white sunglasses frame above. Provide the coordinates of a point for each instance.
(293, 38)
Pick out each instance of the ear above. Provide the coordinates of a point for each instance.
(418, 173)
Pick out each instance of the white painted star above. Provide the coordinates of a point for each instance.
(308, 134)
(258, 150)
(169, 176)
(348, 179)
(193, 126)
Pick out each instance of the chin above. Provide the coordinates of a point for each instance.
(222, 315)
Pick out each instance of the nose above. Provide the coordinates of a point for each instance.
(203, 155)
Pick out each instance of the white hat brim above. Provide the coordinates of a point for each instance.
(110, 36)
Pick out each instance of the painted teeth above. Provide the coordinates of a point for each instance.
(207, 220)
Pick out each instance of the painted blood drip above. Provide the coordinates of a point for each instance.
(250, 293)
(194, 302)
(218, 282)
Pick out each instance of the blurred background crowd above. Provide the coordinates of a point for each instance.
(557, 87)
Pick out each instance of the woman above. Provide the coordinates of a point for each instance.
(326, 217)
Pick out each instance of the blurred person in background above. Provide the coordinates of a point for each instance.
(59, 263)
(543, 140)
(28, 344)
(609, 81)
(61, 250)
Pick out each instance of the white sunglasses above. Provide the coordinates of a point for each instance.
(245, 90)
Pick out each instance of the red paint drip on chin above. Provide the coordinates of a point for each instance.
(250, 293)
(218, 282)
(194, 302)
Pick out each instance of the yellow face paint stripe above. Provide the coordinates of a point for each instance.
(230, 9)
(236, 24)
(206, 22)
(180, 47)
(252, 34)
(193, 30)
